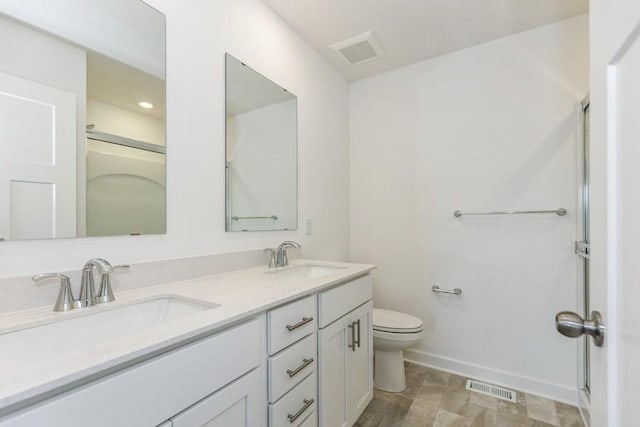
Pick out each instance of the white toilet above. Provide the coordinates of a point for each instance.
(392, 332)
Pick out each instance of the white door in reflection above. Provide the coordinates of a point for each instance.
(38, 166)
(125, 190)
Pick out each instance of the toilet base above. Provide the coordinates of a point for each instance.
(389, 371)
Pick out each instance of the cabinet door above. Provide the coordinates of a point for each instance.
(332, 373)
(237, 405)
(360, 363)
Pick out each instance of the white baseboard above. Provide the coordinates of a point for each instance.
(553, 391)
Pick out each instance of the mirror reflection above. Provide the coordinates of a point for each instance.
(261, 152)
(82, 119)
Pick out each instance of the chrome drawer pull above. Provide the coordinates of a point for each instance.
(305, 363)
(307, 404)
(303, 322)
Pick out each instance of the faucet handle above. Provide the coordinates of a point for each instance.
(65, 301)
(106, 292)
(272, 257)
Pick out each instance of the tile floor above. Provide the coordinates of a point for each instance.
(439, 399)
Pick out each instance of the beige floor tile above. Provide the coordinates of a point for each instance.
(514, 408)
(420, 414)
(456, 383)
(385, 410)
(479, 416)
(568, 415)
(484, 400)
(436, 377)
(415, 376)
(541, 409)
(438, 399)
(449, 419)
(455, 402)
(505, 419)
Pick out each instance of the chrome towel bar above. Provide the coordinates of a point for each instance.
(559, 212)
(456, 291)
(237, 218)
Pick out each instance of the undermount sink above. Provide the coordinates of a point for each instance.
(306, 271)
(95, 330)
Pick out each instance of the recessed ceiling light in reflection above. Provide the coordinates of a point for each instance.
(145, 104)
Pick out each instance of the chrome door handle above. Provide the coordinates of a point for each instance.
(357, 322)
(572, 325)
(305, 363)
(303, 322)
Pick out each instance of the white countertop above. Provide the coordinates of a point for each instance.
(240, 294)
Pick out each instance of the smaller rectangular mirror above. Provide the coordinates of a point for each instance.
(261, 152)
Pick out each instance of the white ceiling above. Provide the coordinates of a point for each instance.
(124, 86)
(414, 30)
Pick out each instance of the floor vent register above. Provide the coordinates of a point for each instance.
(491, 390)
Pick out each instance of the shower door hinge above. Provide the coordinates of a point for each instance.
(582, 249)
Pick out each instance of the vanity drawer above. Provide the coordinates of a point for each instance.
(290, 366)
(300, 401)
(336, 302)
(291, 322)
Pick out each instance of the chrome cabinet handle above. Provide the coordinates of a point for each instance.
(352, 346)
(305, 363)
(303, 322)
(307, 404)
(358, 341)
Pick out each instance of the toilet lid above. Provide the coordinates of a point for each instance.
(394, 321)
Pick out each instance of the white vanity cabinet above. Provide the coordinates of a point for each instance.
(218, 379)
(301, 363)
(345, 351)
(292, 377)
(237, 405)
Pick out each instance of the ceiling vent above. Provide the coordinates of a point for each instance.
(359, 49)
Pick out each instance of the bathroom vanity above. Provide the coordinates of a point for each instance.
(254, 347)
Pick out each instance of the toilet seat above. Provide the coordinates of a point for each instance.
(395, 322)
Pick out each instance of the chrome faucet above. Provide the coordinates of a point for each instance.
(281, 255)
(87, 297)
(87, 288)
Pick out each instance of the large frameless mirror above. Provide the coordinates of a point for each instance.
(82, 119)
(261, 152)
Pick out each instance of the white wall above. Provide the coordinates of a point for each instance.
(199, 32)
(492, 127)
(610, 24)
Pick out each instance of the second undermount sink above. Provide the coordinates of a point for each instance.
(95, 330)
(306, 271)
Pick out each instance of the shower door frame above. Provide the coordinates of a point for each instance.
(583, 263)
